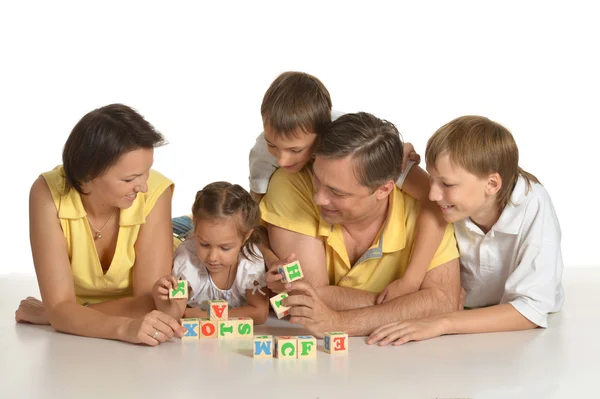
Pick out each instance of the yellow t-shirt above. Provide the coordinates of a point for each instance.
(91, 284)
(289, 204)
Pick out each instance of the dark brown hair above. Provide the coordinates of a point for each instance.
(296, 100)
(374, 143)
(480, 146)
(222, 200)
(100, 138)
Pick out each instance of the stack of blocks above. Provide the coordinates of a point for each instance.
(218, 325)
(290, 272)
(285, 347)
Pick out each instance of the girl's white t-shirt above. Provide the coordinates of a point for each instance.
(188, 266)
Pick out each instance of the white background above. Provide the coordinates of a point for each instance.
(198, 71)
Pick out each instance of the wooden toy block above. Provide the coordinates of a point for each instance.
(243, 327)
(225, 329)
(263, 346)
(192, 327)
(306, 346)
(208, 329)
(335, 342)
(280, 310)
(286, 347)
(291, 272)
(179, 292)
(218, 310)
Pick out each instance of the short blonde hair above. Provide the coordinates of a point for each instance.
(480, 146)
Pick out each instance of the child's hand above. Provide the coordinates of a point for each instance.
(398, 288)
(274, 278)
(409, 153)
(160, 290)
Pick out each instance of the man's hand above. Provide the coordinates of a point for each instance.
(309, 311)
(274, 278)
(396, 288)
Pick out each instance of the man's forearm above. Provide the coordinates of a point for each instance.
(427, 302)
(126, 307)
(343, 298)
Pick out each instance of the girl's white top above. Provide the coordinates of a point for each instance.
(188, 266)
(519, 260)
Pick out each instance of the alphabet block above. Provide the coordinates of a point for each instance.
(291, 272)
(225, 329)
(280, 310)
(286, 347)
(335, 342)
(179, 292)
(208, 329)
(192, 327)
(218, 310)
(263, 346)
(306, 347)
(243, 327)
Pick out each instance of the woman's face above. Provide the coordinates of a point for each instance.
(121, 183)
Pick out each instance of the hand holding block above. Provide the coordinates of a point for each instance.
(179, 292)
(286, 347)
(280, 310)
(243, 327)
(307, 346)
(225, 329)
(192, 327)
(208, 329)
(218, 310)
(335, 342)
(291, 272)
(263, 346)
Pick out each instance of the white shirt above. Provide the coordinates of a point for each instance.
(188, 266)
(519, 260)
(263, 164)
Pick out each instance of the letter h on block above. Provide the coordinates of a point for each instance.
(291, 272)
(335, 342)
(218, 310)
(280, 310)
(263, 346)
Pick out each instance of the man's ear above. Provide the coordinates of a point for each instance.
(494, 184)
(384, 190)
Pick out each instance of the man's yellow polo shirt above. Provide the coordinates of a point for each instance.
(289, 204)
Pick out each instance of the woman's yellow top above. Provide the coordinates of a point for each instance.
(92, 285)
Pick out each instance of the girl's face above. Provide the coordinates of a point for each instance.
(121, 183)
(461, 194)
(292, 152)
(218, 243)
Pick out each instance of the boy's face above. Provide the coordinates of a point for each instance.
(292, 152)
(459, 193)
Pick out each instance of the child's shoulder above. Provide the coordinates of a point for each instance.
(529, 193)
(250, 262)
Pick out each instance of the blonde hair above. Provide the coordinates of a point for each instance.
(221, 200)
(480, 146)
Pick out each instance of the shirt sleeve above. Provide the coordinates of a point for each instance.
(157, 184)
(534, 285)
(288, 203)
(262, 165)
(447, 250)
(254, 271)
(400, 181)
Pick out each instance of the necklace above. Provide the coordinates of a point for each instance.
(212, 284)
(98, 234)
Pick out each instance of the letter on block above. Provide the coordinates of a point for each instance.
(307, 347)
(225, 329)
(208, 329)
(179, 292)
(291, 272)
(280, 310)
(263, 346)
(218, 310)
(192, 329)
(243, 327)
(335, 342)
(285, 347)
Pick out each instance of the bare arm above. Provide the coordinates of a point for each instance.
(310, 251)
(257, 308)
(439, 294)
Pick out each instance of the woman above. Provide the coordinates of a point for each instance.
(100, 231)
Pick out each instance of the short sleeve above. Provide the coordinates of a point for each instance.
(288, 203)
(447, 250)
(262, 165)
(253, 271)
(157, 184)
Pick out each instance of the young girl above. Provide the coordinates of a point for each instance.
(221, 259)
(507, 232)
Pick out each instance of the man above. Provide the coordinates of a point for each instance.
(353, 231)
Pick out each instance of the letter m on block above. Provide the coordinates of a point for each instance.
(262, 346)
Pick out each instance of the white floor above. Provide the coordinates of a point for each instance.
(562, 361)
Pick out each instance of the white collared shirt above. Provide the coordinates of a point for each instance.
(519, 260)
(263, 164)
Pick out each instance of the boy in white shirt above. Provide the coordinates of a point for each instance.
(507, 232)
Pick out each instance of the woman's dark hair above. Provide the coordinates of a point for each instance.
(100, 138)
